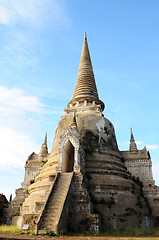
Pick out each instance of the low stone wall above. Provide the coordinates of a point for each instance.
(30, 219)
(128, 222)
(85, 223)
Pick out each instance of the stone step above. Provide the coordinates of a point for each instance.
(57, 205)
(58, 195)
(48, 225)
(51, 203)
(52, 213)
(59, 191)
(50, 220)
(59, 188)
(53, 208)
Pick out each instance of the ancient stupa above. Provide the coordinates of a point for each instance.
(87, 184)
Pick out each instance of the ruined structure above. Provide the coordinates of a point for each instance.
(87, 184)
(32, 167)
(139, 164)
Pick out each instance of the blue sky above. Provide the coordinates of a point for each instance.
(40, 48)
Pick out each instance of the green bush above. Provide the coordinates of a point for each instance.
(48, 232)
(139, 202)
(90, 149)
(3, 201)
(32, 181)
(43, 162)
(110, 202)
(22, 203)
(93, 199)
(102, 201)
(27, 191)
(16, 214)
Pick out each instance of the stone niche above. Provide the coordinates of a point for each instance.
(71, 153)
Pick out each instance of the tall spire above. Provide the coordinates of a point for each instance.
(85, 88)
(85, 85)
(133, 146)
(45, 140)
(44, 150)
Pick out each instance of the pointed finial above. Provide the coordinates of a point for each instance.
(45, 140)
(133, 146)
(131, 130)
(132, 137)
(44, 150)
(86, 88)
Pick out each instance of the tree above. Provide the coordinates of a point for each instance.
(3, 201)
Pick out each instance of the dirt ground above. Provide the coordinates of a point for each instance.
(9, 237)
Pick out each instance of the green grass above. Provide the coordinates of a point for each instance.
(10, 229)
(13, 230)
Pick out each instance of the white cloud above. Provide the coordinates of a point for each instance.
(34, 12)
(19, 118)
(139, 143)
(153, 147)
(16, 146)
(15, 97)
(14, 101)
(4, 16)
(125, 145)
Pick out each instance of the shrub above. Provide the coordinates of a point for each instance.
(3, 201)
(43, 162)
(16, 214)
(110, 202)
(90, 149)
(27, 191)
(139, 202)
(48, 232)
(32, 181)
(93, 199)
(102, 201)
(22, 203)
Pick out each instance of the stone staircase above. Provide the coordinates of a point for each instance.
(53, 208)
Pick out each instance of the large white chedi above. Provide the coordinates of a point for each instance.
(87, 184)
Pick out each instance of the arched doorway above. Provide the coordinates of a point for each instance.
(68, 157)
